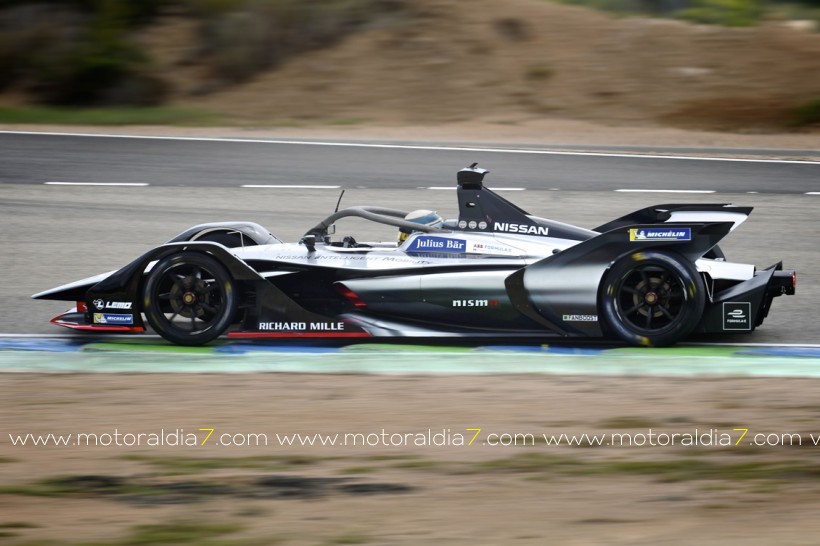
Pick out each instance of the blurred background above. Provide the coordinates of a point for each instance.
(565, 71)
(730, 65)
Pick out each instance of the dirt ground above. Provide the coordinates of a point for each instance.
(517, 62)
(403, 490)
(521, 71)
(537, 133)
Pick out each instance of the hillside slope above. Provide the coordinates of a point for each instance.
(521, 60)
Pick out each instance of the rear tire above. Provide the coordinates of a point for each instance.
(189, 298)
(652, 298)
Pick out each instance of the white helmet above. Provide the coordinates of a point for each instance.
(423, 217)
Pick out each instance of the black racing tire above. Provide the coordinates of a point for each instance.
(652, 298)
(189, 298)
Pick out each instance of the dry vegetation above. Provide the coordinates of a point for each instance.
(443, 61)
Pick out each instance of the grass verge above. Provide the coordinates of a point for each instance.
(194, 465)
(669, 470)
(807, 113)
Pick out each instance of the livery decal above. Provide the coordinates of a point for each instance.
(660, 234)
(489, 248)
(110, 318)
(118, 305)
(580, 318)
(427, 243)
(100, 304)
(301, 326)
(523, 229)
(737, 316)
(475, 303)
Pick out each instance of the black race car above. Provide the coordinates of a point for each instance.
(651, 278)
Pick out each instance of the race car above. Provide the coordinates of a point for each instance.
(652, 278)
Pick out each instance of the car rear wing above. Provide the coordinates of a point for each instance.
(661, 214)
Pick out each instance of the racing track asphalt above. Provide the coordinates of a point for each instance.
(56, 234)
(32, 158)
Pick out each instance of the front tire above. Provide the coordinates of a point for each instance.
(189, 298)
(652, 298)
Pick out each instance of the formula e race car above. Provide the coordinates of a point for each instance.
(651, 278)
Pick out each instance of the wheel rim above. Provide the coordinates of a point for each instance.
(650, 299)
(190, 299)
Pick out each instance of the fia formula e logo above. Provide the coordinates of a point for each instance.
(660, 234)
(737, 315)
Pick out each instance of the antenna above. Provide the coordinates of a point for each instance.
(339, 202)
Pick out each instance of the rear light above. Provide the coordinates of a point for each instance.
(794, 281)
(350, 295)
(82, 307)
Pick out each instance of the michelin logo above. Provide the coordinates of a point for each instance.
(660, 234)
(110, 318)
(437, 244)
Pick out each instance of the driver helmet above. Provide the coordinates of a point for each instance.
(423, 217)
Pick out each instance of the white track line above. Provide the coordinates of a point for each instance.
(290, 186)
(449, 188)
(415, 147)
(664, 191)
(131, 184)
(813, 193)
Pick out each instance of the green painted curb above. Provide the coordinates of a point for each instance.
(393, 359)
